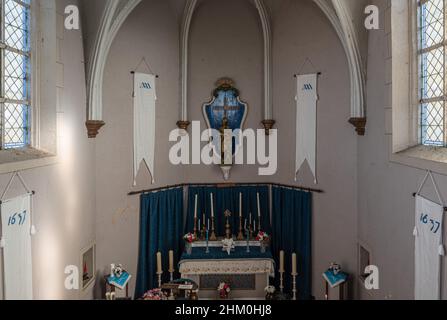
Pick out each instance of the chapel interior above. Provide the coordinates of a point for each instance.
(346, 96)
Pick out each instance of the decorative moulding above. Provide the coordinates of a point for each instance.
(93, 127)
(359, 124)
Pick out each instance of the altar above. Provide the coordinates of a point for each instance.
(246, 272)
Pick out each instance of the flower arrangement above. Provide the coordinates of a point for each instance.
(262, 237)
(224, 290)
(270, 290)
(190, 237)
(154, 295)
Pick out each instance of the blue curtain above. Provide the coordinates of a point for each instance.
(291, 222)
(227, 198)
(161, 230)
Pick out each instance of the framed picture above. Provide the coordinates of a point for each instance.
(88, 266)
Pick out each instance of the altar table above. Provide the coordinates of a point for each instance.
(247, 272)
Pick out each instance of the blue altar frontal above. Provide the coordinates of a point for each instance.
(216, 253)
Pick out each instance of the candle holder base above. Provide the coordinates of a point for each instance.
(159, 274)
(294, 290)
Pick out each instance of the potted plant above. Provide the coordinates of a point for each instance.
(264, 240)
(224, 290)
(189, 239)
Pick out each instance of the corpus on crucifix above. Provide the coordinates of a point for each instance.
(226, 138)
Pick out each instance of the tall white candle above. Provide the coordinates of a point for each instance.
(249, 220)
(195, 207)
(240, 204)
(259, 205)
(171, 261)
(159, 269)
(212, 205)
(281, 261)
(294, 269)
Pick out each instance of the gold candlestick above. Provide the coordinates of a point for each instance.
(240, 236)
(228, 233)
(213, 236)
(251, 231)
(195, 227)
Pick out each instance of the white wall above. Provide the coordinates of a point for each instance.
(64, 204)
(386, 205)
(219, 48)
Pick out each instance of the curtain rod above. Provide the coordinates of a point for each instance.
(224, 185)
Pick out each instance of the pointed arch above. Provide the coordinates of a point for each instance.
(117, 11)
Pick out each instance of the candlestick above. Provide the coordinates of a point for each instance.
(212, 205)
(159, 274)
(281, 281)
(195, 207)
(258, 205)
(240, 204)
(207, 242)
(240, 236)
(213, 236)
(195, 227)
(159, 268)
(248, 241)
(294, 291)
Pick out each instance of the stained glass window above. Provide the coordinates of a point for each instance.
(432, 84)
(15, 73)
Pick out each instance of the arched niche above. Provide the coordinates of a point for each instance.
(116, 12)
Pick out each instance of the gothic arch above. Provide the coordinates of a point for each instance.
(116, 12)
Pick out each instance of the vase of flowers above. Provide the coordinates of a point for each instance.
(264, 240)
(155, 294)
(224, 290)
(189, 240)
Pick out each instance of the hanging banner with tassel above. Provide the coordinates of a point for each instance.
(144, 122)
(306, 124)
(17, 229)
(428, 245)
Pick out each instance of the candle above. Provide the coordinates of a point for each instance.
(259, 205)
(204, 220)
(240, 204)
(195, 207)
(245, 225)
(171, 261)
(200, 226)
(281, 261)
(254, 227)
(208, 225)
(159, 269)
(294, 264)
(249, 220)
(212, 205)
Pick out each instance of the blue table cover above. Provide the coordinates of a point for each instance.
(216, 253)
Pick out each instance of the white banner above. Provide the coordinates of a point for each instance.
(144, 122)
(16, 238)
(428, 249)
(306, 123)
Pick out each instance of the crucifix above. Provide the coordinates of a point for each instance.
(226, 139)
